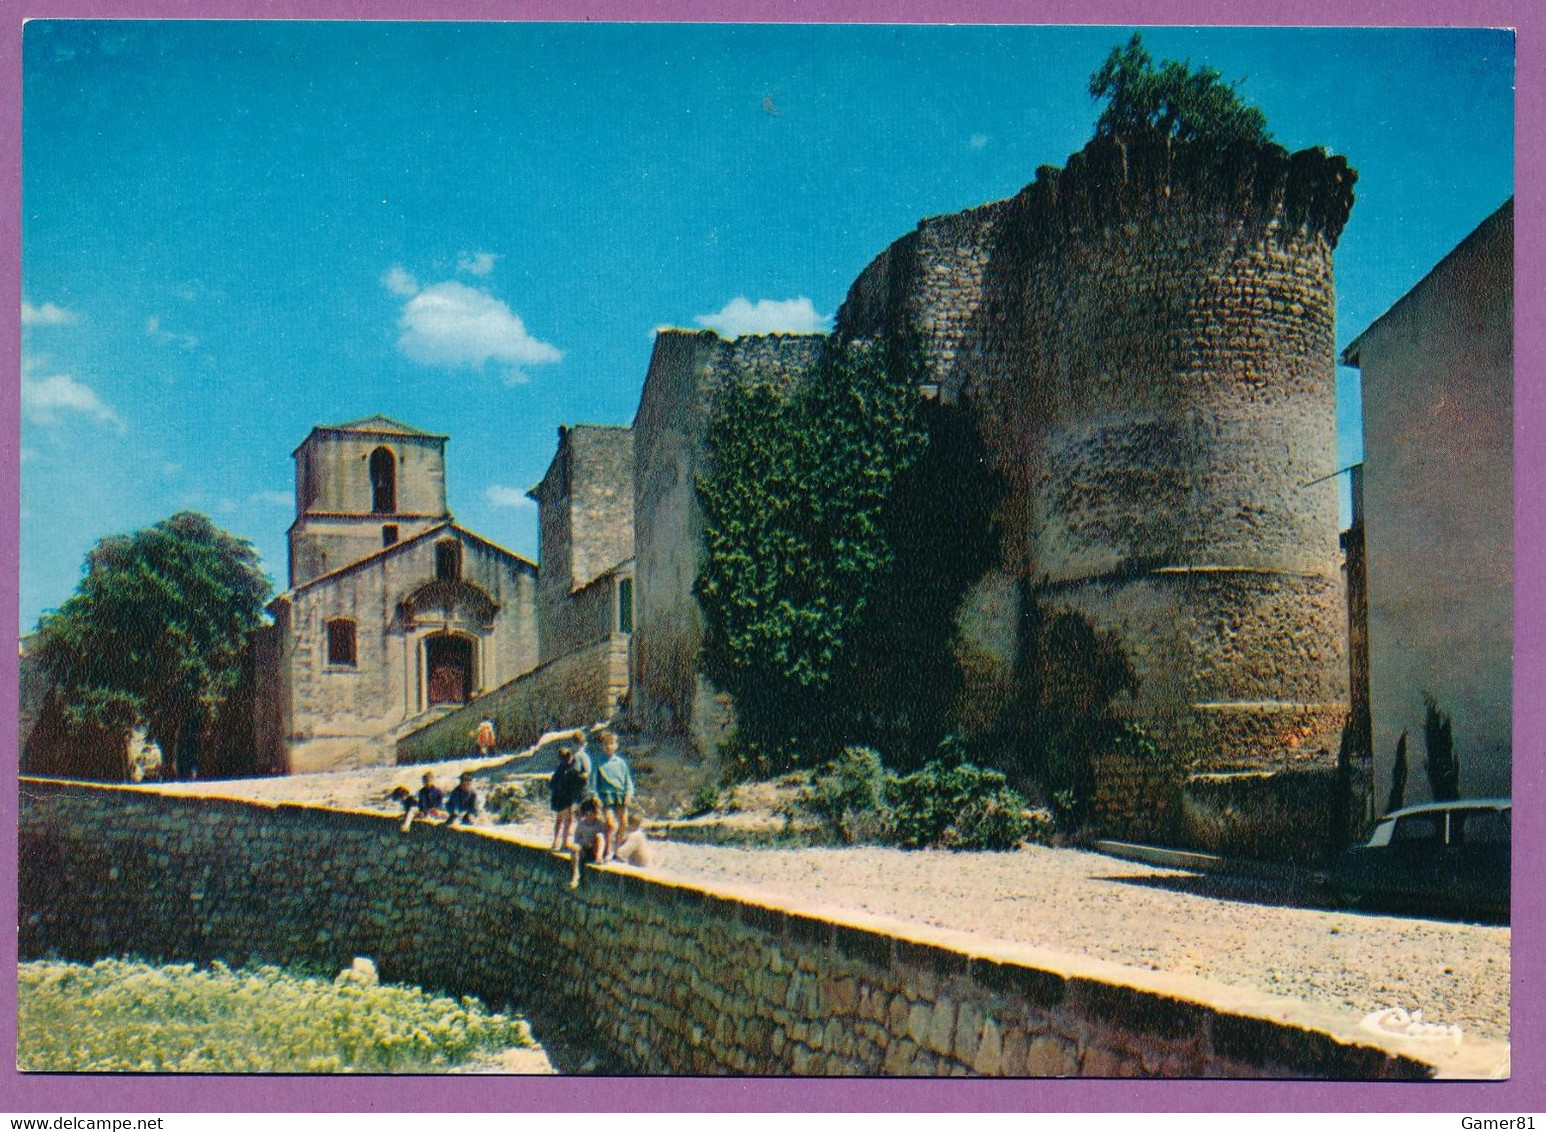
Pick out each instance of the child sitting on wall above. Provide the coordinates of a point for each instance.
(404, 798)
(431, 798)
(589, 839)
(463, 801)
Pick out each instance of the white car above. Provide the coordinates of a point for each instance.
(1450, 857)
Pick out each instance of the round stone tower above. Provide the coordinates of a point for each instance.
(1154, 370)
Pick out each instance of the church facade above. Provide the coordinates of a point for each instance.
(394, 615)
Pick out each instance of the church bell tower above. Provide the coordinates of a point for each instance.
(361, 487)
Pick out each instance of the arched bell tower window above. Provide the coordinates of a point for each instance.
(383, 481)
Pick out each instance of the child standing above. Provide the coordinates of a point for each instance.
(568, 787)
(614, 789)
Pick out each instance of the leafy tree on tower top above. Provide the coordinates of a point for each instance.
(1177, 100)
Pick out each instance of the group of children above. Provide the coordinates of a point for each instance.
(433, 804)
(591, 802)
(591, 817)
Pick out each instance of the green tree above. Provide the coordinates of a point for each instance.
(1398, 772)
(155, 635)
(794, 505)
(1176, 100)
(1443, 765)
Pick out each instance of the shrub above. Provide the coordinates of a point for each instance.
(956, 807)
(1442, 764)
(850, 794)
(517, 801)
(703, 800)
(948, 804)
(1398, 773)
(1178, 100)
(123, 1016)
(1040, 826)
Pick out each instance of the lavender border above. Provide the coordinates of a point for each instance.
(1526, 1091)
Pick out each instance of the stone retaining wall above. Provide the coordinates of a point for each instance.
(666, 976)
(584, 685)
(1283, 816)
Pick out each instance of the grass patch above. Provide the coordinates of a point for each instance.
(118, 1015)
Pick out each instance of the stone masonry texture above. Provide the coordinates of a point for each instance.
(669, 976)
(1146, 341)
(585, 529)
(685, 371)
(580, 687)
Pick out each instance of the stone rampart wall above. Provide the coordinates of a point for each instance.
(669, 976)
(669, 451)
(582, 687)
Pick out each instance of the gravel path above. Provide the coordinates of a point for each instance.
(1149, 917)
(1073, 901)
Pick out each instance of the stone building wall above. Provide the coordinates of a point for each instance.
(669, 430)
(601, 496)
(584, 529)
(334, 716)
(578, 688)
(1437, 373)
(1288, 815)
(1146, 340)
(710, 982)
(928, 287)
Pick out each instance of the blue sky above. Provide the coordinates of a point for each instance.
(234, 231)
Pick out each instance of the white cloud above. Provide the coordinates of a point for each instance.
(46, 401)
(498, 495)
(273, 498)
(451, 324)
(978, 141)
(476, 263)
(46, 315)
(400, 282)
(28, 454)
(766, 316)
(153, 329)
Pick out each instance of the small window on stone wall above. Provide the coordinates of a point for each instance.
(340, 643)
(389, 534)
(448, 561)
(625, 605)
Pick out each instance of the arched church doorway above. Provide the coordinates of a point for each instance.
(448, 661)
